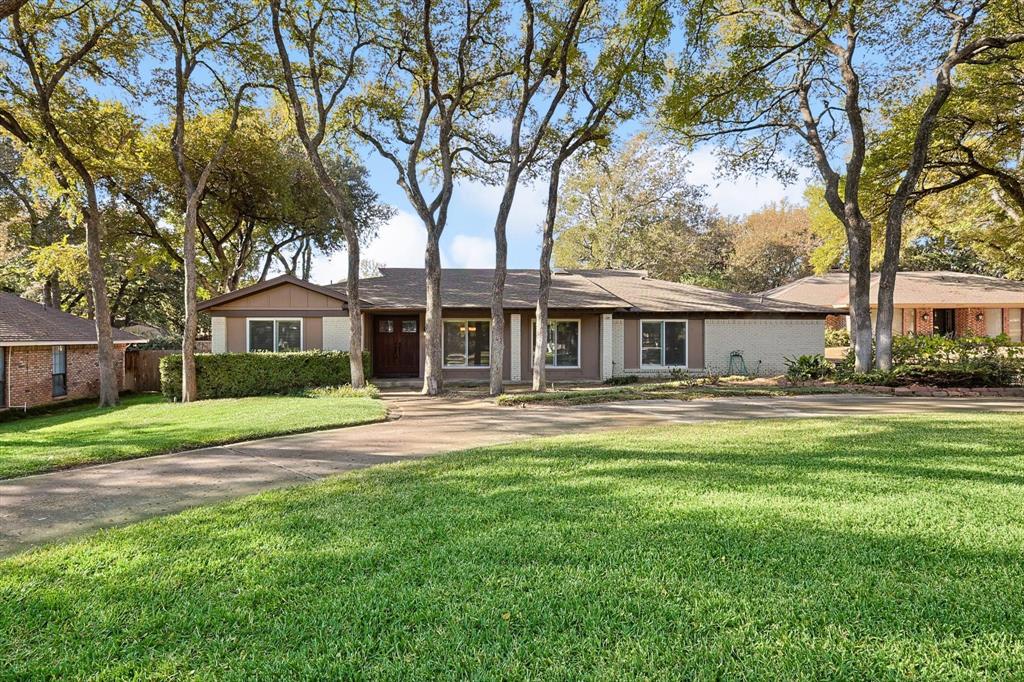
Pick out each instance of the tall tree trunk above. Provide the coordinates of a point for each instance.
(51, 292)
(497, 349)
(189, 391)
(547, 244)
(355, 314)
(897, 211)
(104, 334)
(859, 240)
(433, 378)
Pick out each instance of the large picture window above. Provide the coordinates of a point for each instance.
(60, 371)
(563, 346)
(275, 336)
(467, 343)
(663, 343)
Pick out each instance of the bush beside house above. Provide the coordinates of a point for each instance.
(928, 360)
(236, 375)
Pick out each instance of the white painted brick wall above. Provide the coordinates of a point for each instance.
(618, 348)
(218, 334)
(516, 339)
(765, 343)
(607, 345)
(337, 333)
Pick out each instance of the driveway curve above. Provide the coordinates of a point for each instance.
(39, 509)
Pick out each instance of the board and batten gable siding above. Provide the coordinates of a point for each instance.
(283, 297)
(325, 324)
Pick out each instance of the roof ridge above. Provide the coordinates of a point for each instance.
(605, 289)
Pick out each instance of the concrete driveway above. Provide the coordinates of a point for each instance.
(49, 507)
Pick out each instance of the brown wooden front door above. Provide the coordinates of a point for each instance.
(396, 346)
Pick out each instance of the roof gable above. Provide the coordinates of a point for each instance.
(282, 280)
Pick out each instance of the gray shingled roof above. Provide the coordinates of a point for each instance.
(25, 322)
(646, 294)
(471, 288)
(925, 288)
(632, 290)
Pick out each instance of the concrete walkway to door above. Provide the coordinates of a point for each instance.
(48, 507)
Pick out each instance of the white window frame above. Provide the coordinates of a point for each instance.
(579, 340)
(465, 349)
(275, 320)
(640, 343)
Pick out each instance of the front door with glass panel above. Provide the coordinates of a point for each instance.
(396, 346)
(944, 323)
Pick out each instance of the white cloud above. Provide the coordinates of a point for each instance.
(399, 244)
(739, 196)
(471, 252)
(527, 213)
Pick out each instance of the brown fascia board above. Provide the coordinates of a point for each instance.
(270, 284)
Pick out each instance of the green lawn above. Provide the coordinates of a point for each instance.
(843, 548)
(147, 425)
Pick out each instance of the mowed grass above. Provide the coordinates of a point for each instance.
(148, 424)
(858, 548)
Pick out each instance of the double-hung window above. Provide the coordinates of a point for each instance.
(3, 378)
(563, 343)
(59, 371)
(274, 336)
(467, 343)
(663, 343)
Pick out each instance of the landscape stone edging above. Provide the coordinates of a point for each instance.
(933, 392)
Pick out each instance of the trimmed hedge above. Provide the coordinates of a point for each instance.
(931, 360)
(237, 375)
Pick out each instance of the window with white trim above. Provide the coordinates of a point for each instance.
(59, 371)
(563, 345)
(274, 336)
(663, 343)
(3, 377)
(466, 343)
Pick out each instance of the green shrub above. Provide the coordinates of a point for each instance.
(808, 368)
(160, 343)
(236, 375)
(932, 360)
(343, 391)
(837, 338)
(621, 380)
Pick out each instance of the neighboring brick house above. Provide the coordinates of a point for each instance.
(47, 355)
(602, 323)
(934, 302)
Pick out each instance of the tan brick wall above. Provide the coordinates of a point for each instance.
(30, 378)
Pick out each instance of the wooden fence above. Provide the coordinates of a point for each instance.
(142, 369)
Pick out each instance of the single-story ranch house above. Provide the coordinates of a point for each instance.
(603, 323)
(934, 302)
(47, 355)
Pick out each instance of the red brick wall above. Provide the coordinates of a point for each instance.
(922, 325)
(29, 374)
(835, 322)
(967, 322)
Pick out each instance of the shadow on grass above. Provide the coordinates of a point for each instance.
(840, 548)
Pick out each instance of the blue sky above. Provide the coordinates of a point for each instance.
(468, 240)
